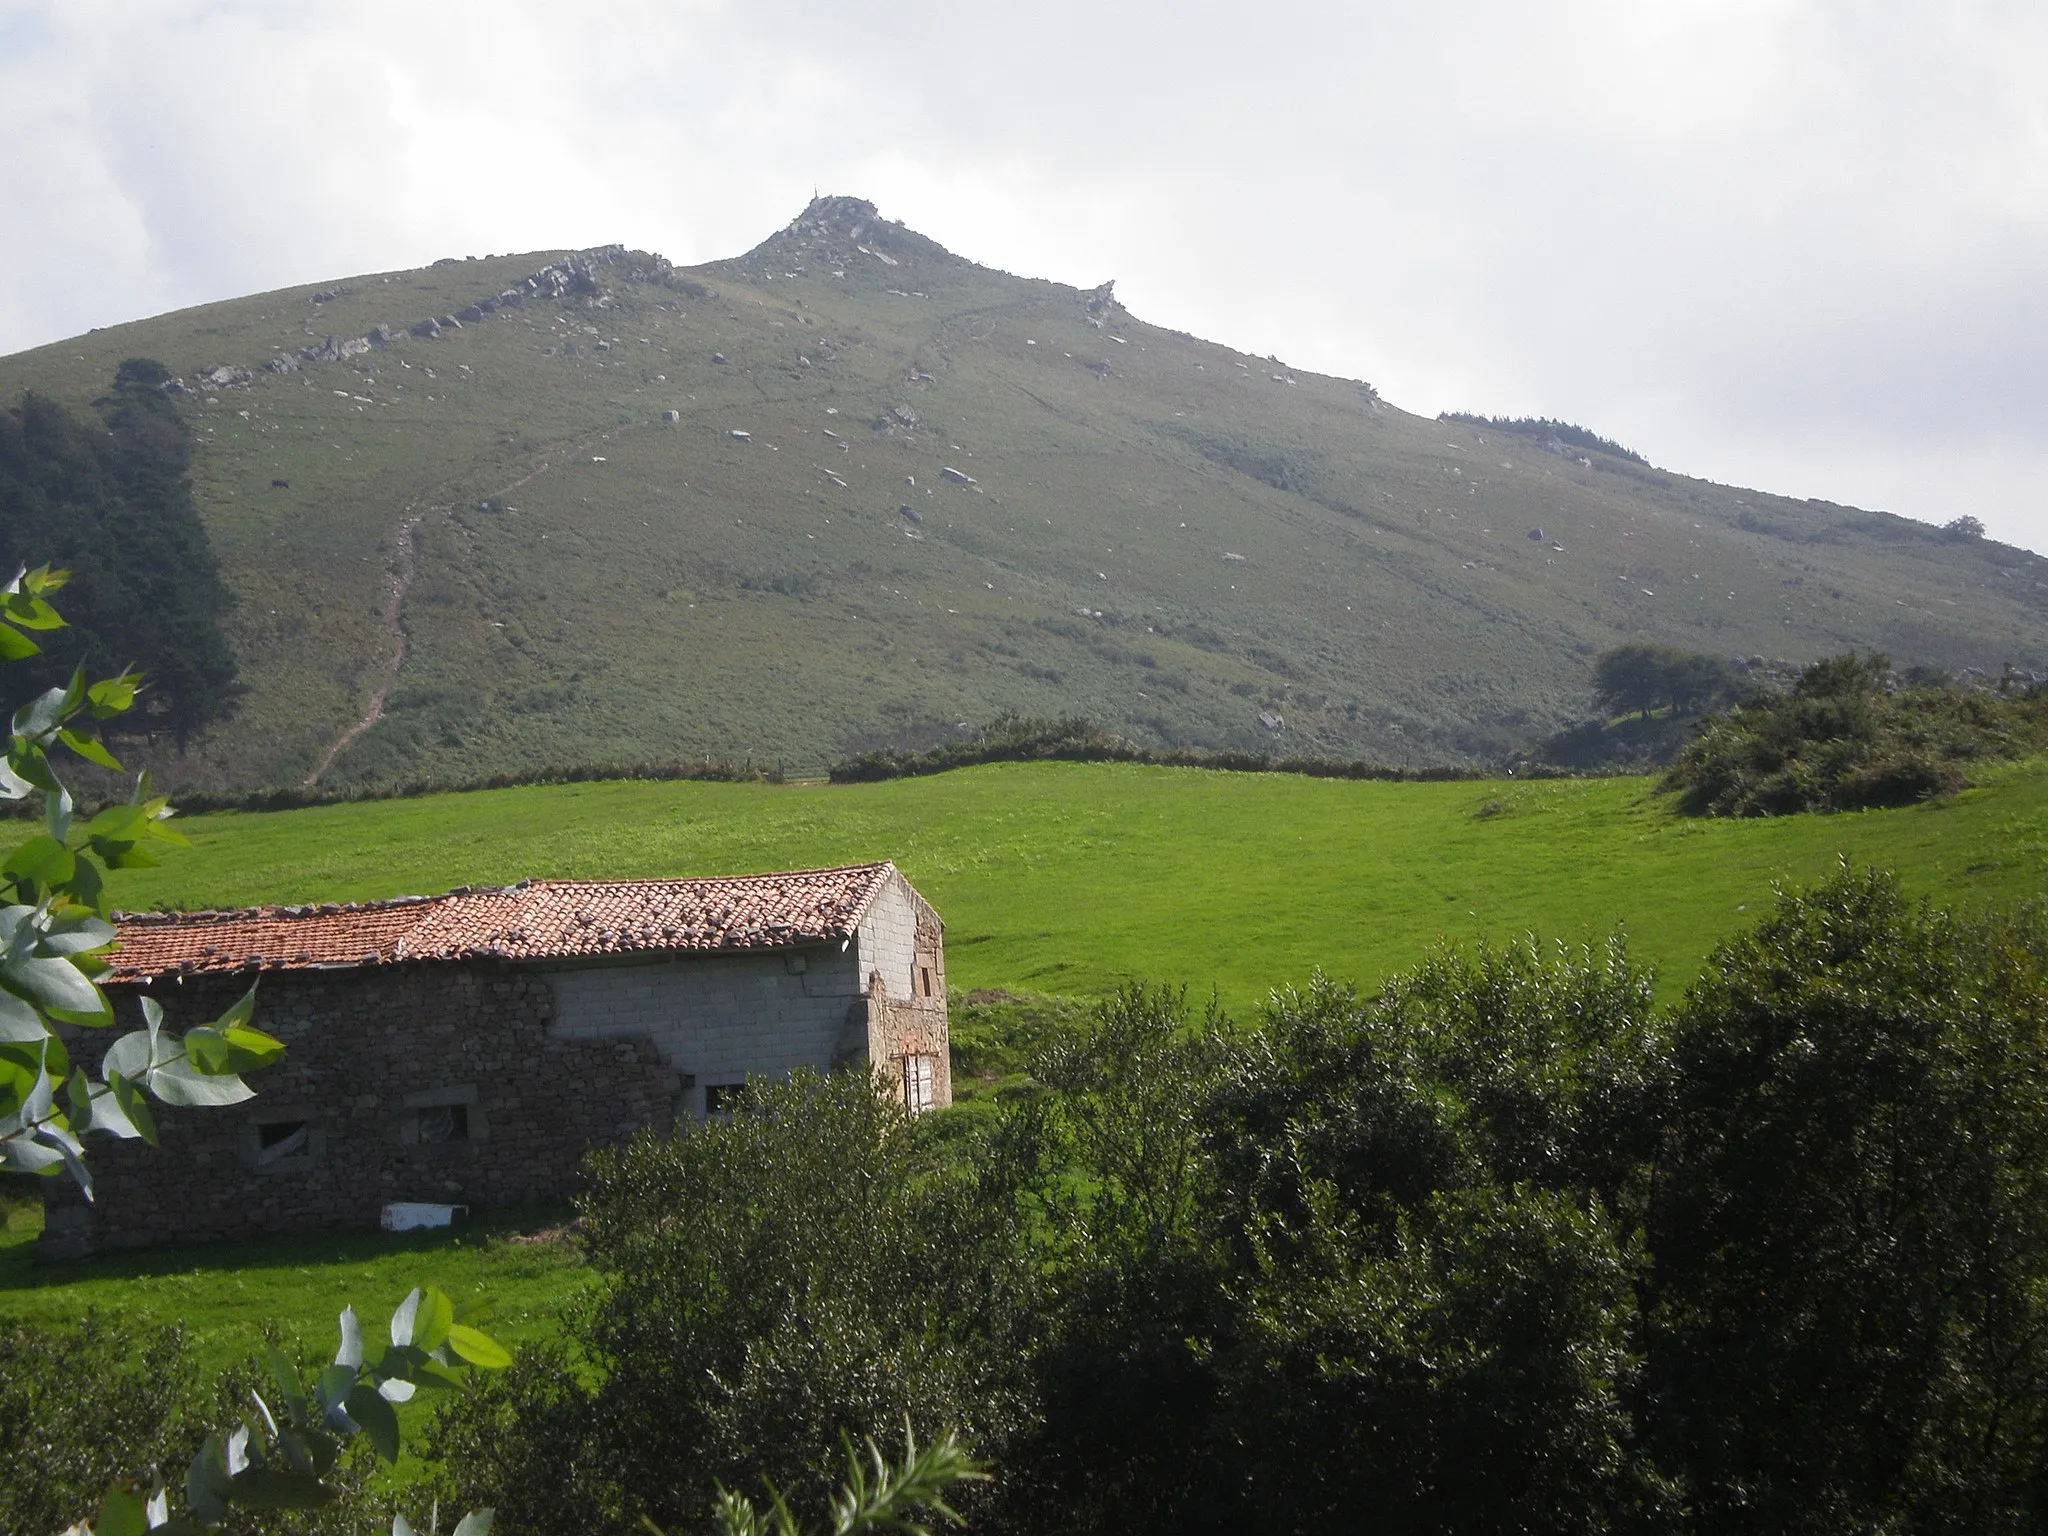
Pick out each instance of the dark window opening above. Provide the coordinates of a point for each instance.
(282, 1138)
(722, 1098)
(444, 1122)
(927, 981)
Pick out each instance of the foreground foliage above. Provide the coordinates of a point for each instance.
(1503, 1248)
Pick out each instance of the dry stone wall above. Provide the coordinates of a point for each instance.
(435, 1083)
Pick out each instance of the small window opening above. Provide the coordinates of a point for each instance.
(281, 1139)
(917, 1083)
(444, 1122)
(927, 981)
(722, 1098)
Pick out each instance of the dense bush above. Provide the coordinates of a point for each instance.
(81, 1407)
(1849, 1223)
(1844, 737)
(1074, 739)
(1554, 435)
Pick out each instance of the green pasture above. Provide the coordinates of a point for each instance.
(1053, 878)
(1070, 878)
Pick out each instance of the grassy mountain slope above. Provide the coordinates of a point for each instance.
(1161, 533)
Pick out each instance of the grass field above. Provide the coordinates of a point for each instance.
(1070, 878)
(225, 1295)
(1053, 878)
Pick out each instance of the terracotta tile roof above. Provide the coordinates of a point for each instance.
(534, 920)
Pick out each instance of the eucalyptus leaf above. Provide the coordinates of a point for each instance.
(42, 860)
(178, 1084)
(122, 1514)
(57, 987)
(478, 1348)
(18, 1021)
(350, 1353)
(134, 1104)
(275, 1488)
(376, 1417)
(207, 1482)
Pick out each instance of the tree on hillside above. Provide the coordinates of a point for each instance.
(1964, 527)
(1641, 676)
(111, 500)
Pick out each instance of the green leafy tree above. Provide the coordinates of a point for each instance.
(1641, 677)
(1850, 1222)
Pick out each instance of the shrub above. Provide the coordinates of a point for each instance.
(800, 1272)
(1842, 738)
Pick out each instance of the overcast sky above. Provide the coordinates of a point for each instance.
(1799, 246)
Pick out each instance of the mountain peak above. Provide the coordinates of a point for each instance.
(837, 232)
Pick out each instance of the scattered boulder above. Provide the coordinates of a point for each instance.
(224, 377)
(1233, 555)
(1269, 721)
(905, 415)
(1535, 535)
(284, 362)
(738, 435)
(280, 485)
(910, 512)
(718, 357)
(958, 477)
(671, 417)
(469, 314)
(427, 329)
(381, 336)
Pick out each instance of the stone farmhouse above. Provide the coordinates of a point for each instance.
(468, 1048)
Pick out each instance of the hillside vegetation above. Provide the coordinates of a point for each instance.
(849, 491)
(1072, 878)
(1844, 737)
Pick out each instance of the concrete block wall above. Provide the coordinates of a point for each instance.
(888, 937)
(720, 1018)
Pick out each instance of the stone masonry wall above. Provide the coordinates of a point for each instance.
(903, 949)
(435, 1083)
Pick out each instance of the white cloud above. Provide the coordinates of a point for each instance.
(1772, 240)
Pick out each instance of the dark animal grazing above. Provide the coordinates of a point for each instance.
(280, 485)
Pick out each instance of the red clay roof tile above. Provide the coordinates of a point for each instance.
(534, 920)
